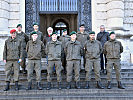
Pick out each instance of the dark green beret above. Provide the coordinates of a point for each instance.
(34, 33)
(92, 32)
(64, 30)
(53, 33)
(73, 32)
(19, 25)
(35, 24)
(111, 33)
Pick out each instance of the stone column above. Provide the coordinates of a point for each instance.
(22, 14)
(84, 13)
(4, 16)
(115, 14)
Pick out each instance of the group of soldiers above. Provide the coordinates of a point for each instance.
(67, 51)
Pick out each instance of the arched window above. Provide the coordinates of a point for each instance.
(59, 26)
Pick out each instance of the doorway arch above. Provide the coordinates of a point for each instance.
(59, 25)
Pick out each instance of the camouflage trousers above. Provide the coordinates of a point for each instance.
(34, 65)
(12, 69)
(95, 64)
(50, 68)
(73, 65)
(116, 64)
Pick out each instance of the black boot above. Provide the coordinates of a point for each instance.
(16, 86)
(29, 86)
(120, 85)
(24, 71)
(7, 86)
(105, 72)
(109, 85)
(48, 85)
(87, 85)
(39, 86)
(77, 85)
(68, 85)
(59, 85)
(99, 85)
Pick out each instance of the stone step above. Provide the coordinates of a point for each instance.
(72, 94)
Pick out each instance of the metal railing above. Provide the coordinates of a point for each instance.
(58, 5)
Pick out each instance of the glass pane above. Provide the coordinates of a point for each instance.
(60, 24)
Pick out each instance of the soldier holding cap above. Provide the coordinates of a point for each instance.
(24, 39)
(113, 49)
(93, 49)
(54, 52)
(12, 55)
(35, 49)
(73, 50)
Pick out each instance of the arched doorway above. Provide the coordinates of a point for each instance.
(59, 26)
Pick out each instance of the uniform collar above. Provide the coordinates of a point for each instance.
(20, 33)
(54, 42)
(112, 40)
(12, 39)
(92, 41)
(35, 41)
(72, 42)
(84, 33)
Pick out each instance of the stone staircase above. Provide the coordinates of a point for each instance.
(73, 94)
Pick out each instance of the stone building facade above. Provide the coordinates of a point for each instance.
(114, 14)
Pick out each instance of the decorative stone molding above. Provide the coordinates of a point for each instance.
(84, 13)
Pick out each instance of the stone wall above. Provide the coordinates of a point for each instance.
(12, 13)
(109, 13)
(128, 16)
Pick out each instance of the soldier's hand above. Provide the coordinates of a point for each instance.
(4, 61)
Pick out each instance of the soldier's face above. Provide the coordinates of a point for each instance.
(65, 33)
(35, 27)
(50, 32)
(102, 29)
(13, 35)
(73, 37)
(34, 37)
(92, 36)
(19, 28)
(112, 36)
(82, 28)
(54, 37)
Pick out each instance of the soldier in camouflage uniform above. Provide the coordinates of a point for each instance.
(35, 49)
(54, 52)
(113, 50)
(12, 55)
(73, 50)
(82, 37)
(24, 39)
(36, 29)
(64, 39)
(93, 49)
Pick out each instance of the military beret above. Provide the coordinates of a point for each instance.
(53, 33)
(73, 32)
(34, 33)
(64, 30)
(12, 31)
(19, 25)
(82, 25)
(35, 24)
(92, 32)
(111, 33)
